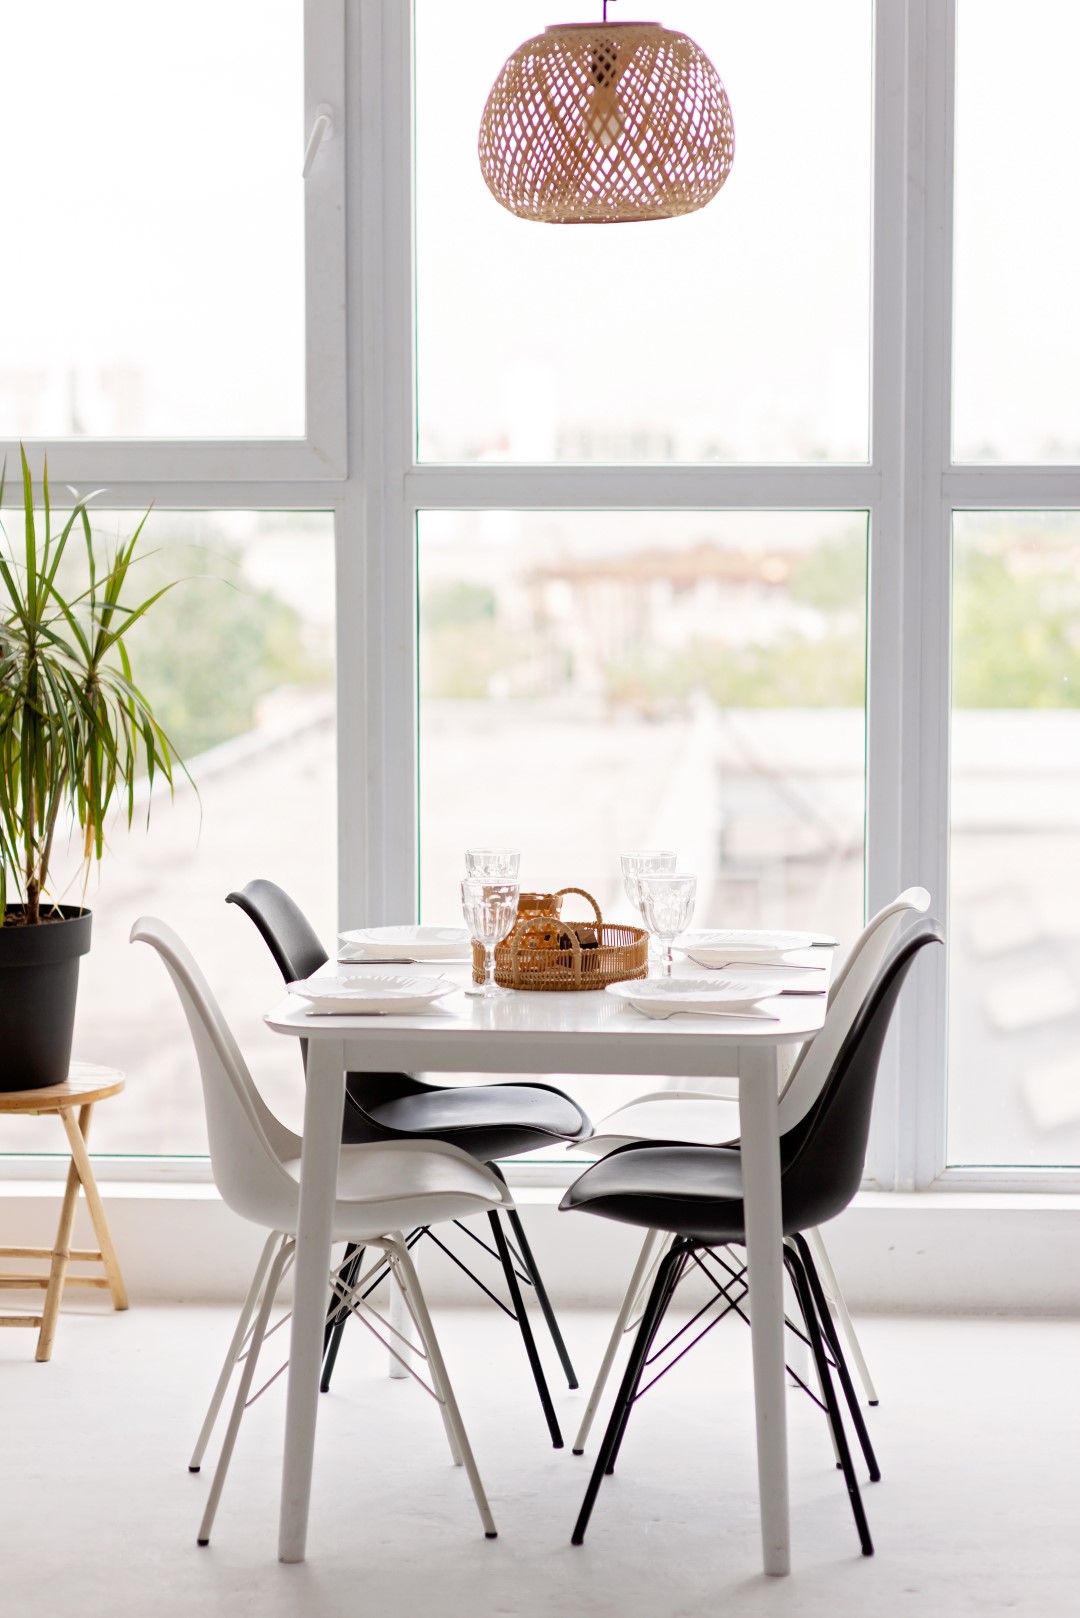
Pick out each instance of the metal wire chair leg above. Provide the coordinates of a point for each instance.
(542, 1297)
(626, 1309)
(832, 1337)
(233, 1354)
(243, 1388)
(793, 1260)
(674, 1276)
(338, 1315)
(410, 1286)
(526, 1330)
(831, 1286)
(659, 1299)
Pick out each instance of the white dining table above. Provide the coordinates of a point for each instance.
(547, 1033)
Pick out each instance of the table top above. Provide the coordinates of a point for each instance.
(85, 1083)
(528, 1031)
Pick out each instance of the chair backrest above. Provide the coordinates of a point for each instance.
(246, 1140)
(849, 988)
(291, 939)
(824, 1156)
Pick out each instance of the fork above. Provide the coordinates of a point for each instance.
(722, 966)
(745, 1016)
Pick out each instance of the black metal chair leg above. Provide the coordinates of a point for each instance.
(335, 1309)
(541, 1296)
(674, 1278)
(338, 1315)
(832, 1337)
(793, 1260)
(526, 1330)
(659, 1298)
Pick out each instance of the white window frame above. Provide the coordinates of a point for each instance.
(359, 462)
(320, 453)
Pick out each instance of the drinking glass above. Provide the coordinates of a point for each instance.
(644, 862)
(667, 904)
(492, 862)
(490, 908)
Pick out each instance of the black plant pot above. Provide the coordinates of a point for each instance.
(39, 979)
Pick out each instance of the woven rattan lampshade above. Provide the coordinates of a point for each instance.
(598, 123)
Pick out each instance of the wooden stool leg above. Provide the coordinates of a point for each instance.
(77, 1136)
(60, 1256)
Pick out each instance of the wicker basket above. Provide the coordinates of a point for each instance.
(546, 952)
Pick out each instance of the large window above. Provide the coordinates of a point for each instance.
(755, 531)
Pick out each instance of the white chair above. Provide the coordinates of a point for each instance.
(694, 1118)
(382, 1189)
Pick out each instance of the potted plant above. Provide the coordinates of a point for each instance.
(75, 735)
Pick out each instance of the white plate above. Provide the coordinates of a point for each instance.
(772, 977)
(689, 994)
(376, 993)
(420, 943)
(746, 944)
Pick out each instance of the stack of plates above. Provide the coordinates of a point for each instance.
(371, 995)
(410, 943)
(665, 996)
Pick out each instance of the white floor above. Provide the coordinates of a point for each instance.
(978, 1510)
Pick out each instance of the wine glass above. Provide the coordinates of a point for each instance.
(490, 908)
(492, 862)
(667, 904)
(644, 862)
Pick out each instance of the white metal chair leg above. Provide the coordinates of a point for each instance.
(451, 1436)
(235, 1347)
(626, 1309)
(244, 1387)
(410, 1285)
(835, 1299)
(401, 1323)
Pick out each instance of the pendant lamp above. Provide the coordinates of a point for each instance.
(600, 123)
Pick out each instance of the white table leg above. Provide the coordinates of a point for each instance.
(759, 1133)
(323, 1106)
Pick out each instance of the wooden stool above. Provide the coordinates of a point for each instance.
(84, 1086)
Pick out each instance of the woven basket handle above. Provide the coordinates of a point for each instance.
(554, 923)
(584, 895)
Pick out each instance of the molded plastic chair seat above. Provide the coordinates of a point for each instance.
(379, 1185)
(486, 1120)
(685, 1190)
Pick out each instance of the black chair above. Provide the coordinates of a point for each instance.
(488, 1121)
(695, 1193)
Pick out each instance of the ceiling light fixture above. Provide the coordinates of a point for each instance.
(600, 123)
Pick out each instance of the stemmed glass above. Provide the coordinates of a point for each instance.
(490, 908)
(492, 862)
(644, 862)
(667, 904)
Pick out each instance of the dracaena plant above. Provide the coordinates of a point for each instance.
(75, 731)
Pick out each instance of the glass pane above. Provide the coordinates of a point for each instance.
(1017, 340)
(739, 333)
(594, 682)
(238, 661)
(1014, 1062)
(154, 285)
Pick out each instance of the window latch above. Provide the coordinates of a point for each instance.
(322, 129)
